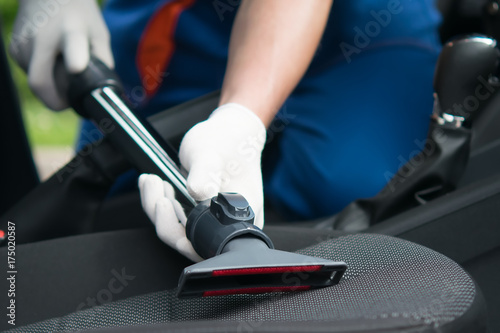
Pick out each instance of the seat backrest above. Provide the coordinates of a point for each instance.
(18, 174)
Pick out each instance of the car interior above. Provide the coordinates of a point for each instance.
(423, 255)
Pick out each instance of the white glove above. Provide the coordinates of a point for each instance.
(158, 201)
(223, 154)
(45, 28)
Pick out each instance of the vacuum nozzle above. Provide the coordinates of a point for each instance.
(249, 266)
(242, 258)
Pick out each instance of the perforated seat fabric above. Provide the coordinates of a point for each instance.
(391, 284)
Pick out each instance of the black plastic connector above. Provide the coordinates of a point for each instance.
(213, 223)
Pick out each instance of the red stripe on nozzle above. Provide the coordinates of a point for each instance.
(266, 270)
(254, 290)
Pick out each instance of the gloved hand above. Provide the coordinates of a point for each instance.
(223, 154)
(158, 201)
(44, 29)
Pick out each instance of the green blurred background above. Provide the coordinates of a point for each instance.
(45, 128)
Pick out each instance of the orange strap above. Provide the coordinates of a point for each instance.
(157, 44)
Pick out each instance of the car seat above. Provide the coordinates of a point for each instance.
(391, 285)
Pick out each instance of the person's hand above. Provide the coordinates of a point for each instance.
(223, 154)
(158, 201)
(45, 29)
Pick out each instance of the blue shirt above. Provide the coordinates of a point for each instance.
(364, 100)
(200, 31)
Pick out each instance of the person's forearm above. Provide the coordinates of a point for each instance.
(272, 45)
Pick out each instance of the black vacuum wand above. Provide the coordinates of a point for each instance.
(241, 257)
(95, 94)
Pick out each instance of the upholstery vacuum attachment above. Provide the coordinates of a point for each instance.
(240, 258)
